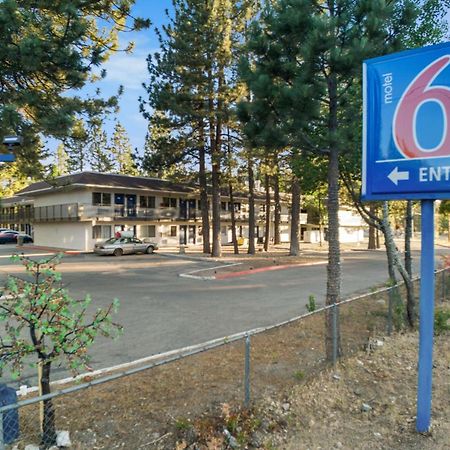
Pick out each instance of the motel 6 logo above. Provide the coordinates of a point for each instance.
(406, 149)
(418, 93)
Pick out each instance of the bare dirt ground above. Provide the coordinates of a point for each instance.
(369, 402)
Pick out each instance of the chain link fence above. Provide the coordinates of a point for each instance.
(144, 406)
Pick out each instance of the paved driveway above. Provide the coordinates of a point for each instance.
(161, 311)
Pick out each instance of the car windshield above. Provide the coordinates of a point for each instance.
(122, 240)
(112, 241)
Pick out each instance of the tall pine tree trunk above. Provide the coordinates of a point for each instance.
(295, 217)
(251, 206)
(334, 254)
(277, 214)
(372, 244)
(216, 246)
(267, 223)
(215, 142)
(204, 193)
(230, 188)
(233, 220)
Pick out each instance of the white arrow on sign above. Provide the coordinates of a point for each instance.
(395, 176)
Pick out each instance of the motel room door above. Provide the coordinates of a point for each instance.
(131, 205)
(187, 234)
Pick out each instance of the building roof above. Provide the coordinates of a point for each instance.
(105, 180)
(12, 201)
(98, 180)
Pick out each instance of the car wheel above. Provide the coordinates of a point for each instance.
(118, 252)
(150, 249)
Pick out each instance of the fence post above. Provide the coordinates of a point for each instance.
(2, 441)
(247, 371)
(335, 334)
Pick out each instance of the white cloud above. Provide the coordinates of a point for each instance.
(127, 70)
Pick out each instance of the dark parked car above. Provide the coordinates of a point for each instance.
(11, 237)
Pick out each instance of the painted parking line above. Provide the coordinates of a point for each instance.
(205, 278)
(242, 273)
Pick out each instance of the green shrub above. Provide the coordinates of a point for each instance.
(441, 320)
(311, 305)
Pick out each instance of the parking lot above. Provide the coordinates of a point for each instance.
(161, 311)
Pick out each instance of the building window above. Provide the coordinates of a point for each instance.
(149, 231)
(101, 231)
(173, 231)
(101, 198)
(223, 206)
(146, 201)
(168, 202)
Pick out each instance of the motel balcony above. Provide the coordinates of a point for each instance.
(83, 212)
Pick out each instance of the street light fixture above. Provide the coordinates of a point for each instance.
(10, 142)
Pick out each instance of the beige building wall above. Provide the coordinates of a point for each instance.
(63, 198)
(70, 236)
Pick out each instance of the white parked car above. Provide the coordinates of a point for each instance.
(124, 245)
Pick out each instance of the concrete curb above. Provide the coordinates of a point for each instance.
(242, 273)
(192, 257)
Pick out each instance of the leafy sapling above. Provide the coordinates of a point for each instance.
(43, 322)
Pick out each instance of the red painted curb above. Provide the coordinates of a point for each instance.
(224, 276)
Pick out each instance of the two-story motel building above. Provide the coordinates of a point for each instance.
(76, 211)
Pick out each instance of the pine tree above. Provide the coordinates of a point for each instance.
(75, 146)
(177, 98)
(190, 92)
(122, 152)
(49, 48)
(100, 156)
(61, 160)
(304, 81)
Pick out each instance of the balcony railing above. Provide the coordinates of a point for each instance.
(21, 215)
(81, 212)
(122, 212)
(57, 213)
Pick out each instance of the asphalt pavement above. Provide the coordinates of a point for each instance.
(161, 311)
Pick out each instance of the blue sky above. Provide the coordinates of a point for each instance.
(130, 71)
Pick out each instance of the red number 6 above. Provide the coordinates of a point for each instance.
(419, 92)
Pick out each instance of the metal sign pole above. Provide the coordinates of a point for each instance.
(426, 325)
